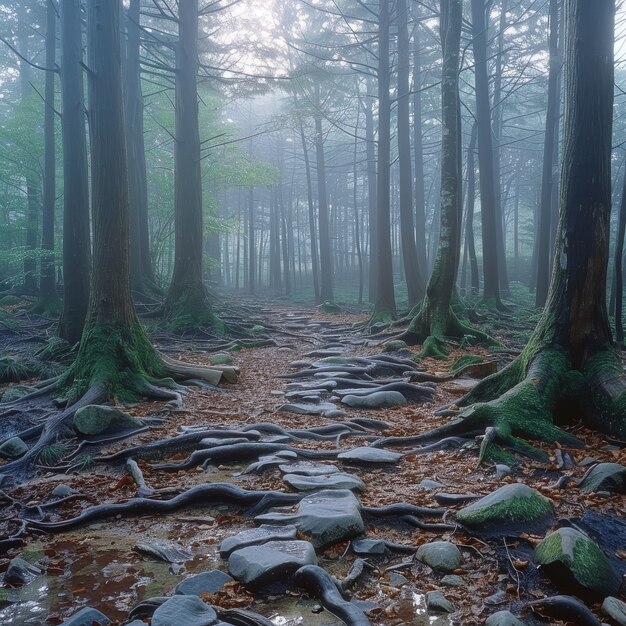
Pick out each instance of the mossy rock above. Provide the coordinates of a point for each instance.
(13, 448)
(15, 392)
(442, 556)
(582, 557)
(465, 360)
(257, 329)
(605, 477)
(9, 300)
(395, 346)
(329, 307)
(510, 508)
(222, 359)
(94, 419)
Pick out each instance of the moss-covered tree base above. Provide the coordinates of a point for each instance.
(431, 328)
(48, 307)
(192, 309)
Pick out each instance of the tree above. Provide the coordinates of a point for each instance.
(385, 304)
(570, 367)
(188, 302)
(412, 270)
(76, 235)
(435, 320)
(47, 283)
(491, 289)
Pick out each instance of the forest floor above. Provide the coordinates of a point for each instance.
(99, 565)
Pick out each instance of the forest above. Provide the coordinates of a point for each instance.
(311, 312)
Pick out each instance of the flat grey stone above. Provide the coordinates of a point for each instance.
(258, 565)
(255, 537)
(376, 400)
(452, 580)
(167, 551)
(206, 582)
(308, 409)
(367, 454)
(327, 517)
(427, 483)
(503, 470)
(13, 448)
(309, 469)
(436, 601)
(87, 617)
(335, 414)
(62, 491)
(325, 481)
(615, 609)
(21, 572)
(605, 477)
(442, 556)
(187, 610)
(368, 546)
(213, 442)
(503, 618)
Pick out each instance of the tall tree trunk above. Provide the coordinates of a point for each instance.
(469, 223)
(385, 305)
(76, 235)
(436, 321)
(552, 121)
(251, 243)
(33, 190)
(326, 271)
(491, 289)
(142, 272)
(47, 285)
(415, 285)
(370, 152)
(618, 265)
(187, 303)
(418, 151)
(498, 111)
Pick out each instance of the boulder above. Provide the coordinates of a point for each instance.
(605, 477)
(508, 509)
(367, 454)
(187, 610)
(442, 556)
(436, 601)
(13, 448)
(395, 345)
(615, 609)
(306, 468)
(324, 481)
(452, 580)
(255, 537)
(221, 359)
(206, 582)
(94, 419)
(20, 572)
(327, 517)
(582, 557)
(503, 618)
(376, 400)
(368, 547)
(87, 617)
(259, 565)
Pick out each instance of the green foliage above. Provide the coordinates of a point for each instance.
(51, 455)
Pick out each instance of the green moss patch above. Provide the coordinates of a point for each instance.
(582, 557)
(509, 508)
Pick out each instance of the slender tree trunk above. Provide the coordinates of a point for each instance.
(251, 243)
(142, 272)
(618, 265)
(491, 289)
(415, 286)
(552, 121)
(187, 301)
(418, 151)
(370, 152)
(47, 284)
(326, 263)
(385, 305)
(469, 223)
(76, 235)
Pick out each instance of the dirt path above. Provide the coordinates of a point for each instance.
(98, 565)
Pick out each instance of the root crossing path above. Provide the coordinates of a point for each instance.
(322, 488)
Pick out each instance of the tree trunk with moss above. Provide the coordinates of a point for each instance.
(76, 235)
(435, 320)
(187, 303)
(570, 368)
